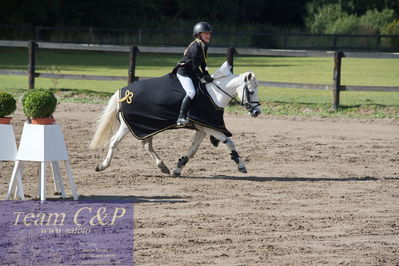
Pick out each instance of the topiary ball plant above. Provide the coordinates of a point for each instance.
(39, 103)
(7, 104)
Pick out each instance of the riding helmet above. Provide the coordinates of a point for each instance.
(201, 27)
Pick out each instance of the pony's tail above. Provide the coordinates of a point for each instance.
(106, 123)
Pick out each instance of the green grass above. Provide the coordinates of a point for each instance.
(378, 72)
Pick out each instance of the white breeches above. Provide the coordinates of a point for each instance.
(187, 85)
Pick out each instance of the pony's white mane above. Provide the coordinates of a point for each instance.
(223, 71)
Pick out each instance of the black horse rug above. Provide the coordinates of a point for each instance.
(151, 106)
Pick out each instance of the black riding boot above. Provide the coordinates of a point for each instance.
(185, 105)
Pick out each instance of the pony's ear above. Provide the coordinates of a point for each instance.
(250, 76)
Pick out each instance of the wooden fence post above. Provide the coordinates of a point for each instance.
(230, 57)
(132, 64)
(337, 79)
(32, 45)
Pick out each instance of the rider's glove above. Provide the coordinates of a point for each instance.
(206, 79)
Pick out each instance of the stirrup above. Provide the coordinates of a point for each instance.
(182, 121)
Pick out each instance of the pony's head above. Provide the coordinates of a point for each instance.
(247, 92)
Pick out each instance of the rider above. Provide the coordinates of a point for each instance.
(192, 67)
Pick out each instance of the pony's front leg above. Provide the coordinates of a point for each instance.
(199, 136)
(115, 139)
(147, 144)
(230, 144)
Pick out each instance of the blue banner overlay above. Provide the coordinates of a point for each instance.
(66, 233)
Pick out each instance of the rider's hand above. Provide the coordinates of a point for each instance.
(206, 79)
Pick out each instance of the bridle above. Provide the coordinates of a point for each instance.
(246, 94)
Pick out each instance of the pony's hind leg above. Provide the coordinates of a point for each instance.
(115, 139)
(147, 144)
(199, 136)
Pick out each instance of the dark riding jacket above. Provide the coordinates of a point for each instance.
(193, 63)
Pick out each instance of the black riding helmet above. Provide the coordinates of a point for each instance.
(201, 27)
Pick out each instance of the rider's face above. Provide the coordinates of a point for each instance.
(206, 36)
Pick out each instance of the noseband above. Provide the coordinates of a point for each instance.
(249, 105)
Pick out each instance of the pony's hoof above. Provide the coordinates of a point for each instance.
(243, 170)
(164, 168)
(98, 168)
(214, 141)
(176, 173)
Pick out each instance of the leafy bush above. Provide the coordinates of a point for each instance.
(332, 19)
(7, 104)
(346, 24)
(392, 29)
(377, 20)
(39, 103)
(321, 19)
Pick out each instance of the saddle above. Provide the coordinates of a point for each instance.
(151, 106)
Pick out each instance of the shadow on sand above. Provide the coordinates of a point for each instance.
(120, 199)
(134, 199)
(284, 179)
(184, 199)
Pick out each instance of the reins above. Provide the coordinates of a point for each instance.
(247, 105)
(231, 97)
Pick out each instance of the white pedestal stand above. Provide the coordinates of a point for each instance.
(8, 146)
(44, 144)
